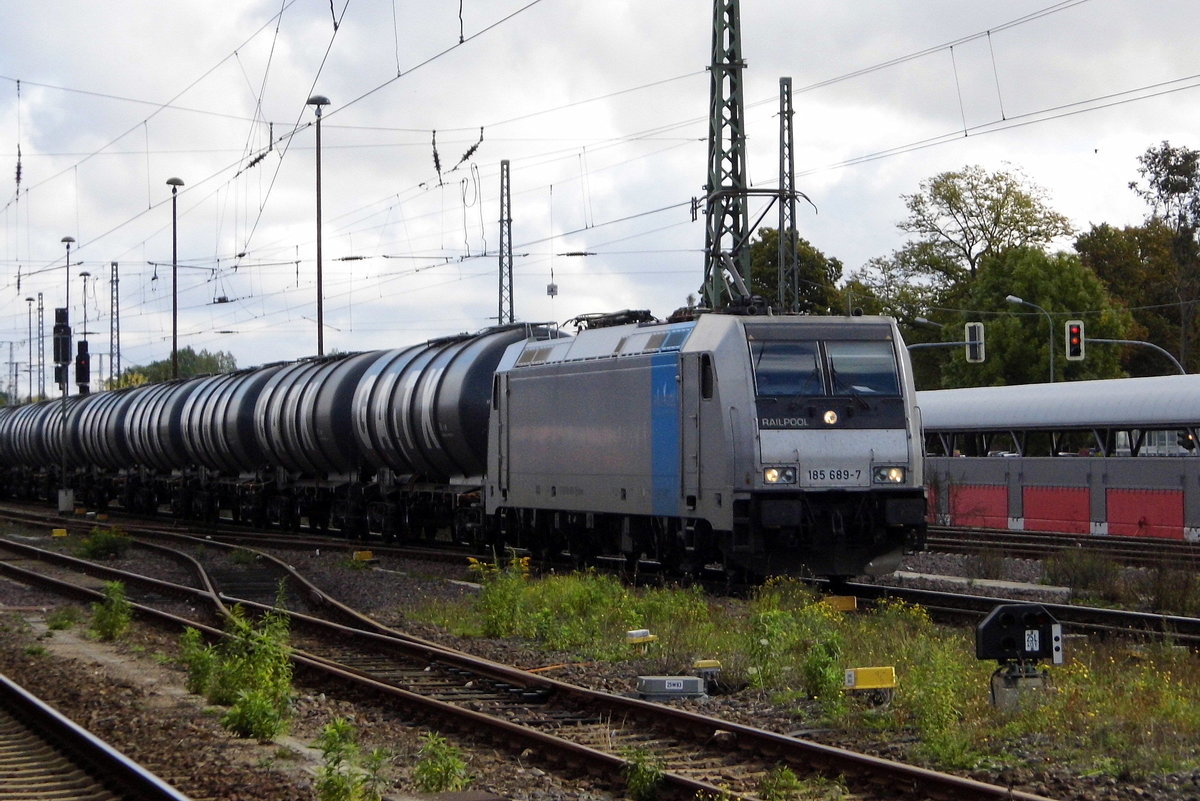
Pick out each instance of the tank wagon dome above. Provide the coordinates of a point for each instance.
(424, 409)
(218, 420)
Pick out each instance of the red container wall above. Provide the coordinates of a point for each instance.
(1064, 509)
(1145, 513)
(979, 505)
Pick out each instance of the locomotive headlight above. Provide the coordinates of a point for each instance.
(830, 418)
(779, 475)
(889, 475)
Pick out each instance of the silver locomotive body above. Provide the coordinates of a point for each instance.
(768, 445)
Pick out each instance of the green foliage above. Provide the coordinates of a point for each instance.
(249, 671)
(111, 619)
(64, 617)
(190, 364)
(1086, 572)
(1019, 338)
(440, 767)
(818, 273)
(1117, 711)
(346, 775)
(256, 714)
(104, 543)
(971, 213)
(563, 612)
(643, 774)
(199, 658)
(1108, 711)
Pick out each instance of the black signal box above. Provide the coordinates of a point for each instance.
(1019, 633)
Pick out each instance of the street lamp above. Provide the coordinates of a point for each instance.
(29, 301)
(1021, 302)
(317, 102)
(174, 183)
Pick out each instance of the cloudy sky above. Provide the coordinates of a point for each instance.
(600, 108)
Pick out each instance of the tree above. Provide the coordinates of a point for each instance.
(970, 214)
(1018, 340)
(190, 364)
(818, 273)
(1137, 266)
(1170, 184)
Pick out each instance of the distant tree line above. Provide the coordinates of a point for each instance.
(191, 364)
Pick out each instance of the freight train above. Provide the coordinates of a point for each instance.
(760, 445)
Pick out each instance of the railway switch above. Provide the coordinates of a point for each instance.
(1019, 637)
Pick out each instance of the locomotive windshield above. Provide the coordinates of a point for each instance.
(831, 369)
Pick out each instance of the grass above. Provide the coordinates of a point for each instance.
(250, 671)
(103, 543)
(1110, 709)
(112, 618)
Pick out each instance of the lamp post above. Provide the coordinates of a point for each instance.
(29, 306)
(1021, 302)
(318, 102)
(174, 183)
(66, 498)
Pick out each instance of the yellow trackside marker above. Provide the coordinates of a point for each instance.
(58, 532)
(842, 603)
(363, 556)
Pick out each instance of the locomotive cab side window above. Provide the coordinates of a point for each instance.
(786, 368)
(862, 368)
(707, 378)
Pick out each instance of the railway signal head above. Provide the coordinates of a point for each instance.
(1074, 333)
(975, 347)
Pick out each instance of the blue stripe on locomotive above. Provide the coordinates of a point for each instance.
(664, 432)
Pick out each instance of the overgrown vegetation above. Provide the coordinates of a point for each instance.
(1109, 710)
(1165, 588)
(62, 618)
(112, 618)
(346, 774)
(249, 671)
(643, 775)
(103, 543)
(440, 766)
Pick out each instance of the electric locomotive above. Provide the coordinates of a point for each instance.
(771, 445)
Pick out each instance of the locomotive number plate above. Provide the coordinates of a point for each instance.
(831, 476)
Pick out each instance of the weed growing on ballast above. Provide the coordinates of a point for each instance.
(112, 618)
(440, 767)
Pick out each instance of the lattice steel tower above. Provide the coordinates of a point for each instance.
(726, 246)
(505, 313)
(789, 267)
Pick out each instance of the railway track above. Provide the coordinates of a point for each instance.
(565, 725)
(1133, 551)
(43, 755)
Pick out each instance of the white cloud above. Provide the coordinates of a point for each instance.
(93, 76)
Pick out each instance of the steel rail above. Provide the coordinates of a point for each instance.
(900, 780)
(88, 767)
